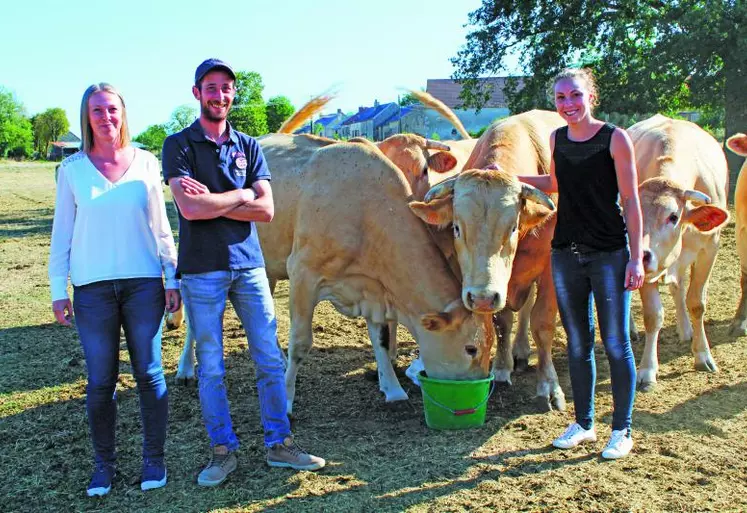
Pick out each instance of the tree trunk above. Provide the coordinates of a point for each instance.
(736, 112)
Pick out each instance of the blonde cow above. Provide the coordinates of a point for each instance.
(738, 144)
(683, 181)
(502, 231)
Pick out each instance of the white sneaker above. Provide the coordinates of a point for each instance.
(574, 436)
(619, 445)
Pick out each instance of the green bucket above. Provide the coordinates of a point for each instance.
(455, 404)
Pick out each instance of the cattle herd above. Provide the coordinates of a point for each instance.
(477, 248)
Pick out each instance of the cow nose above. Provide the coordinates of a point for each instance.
(482, 302)
(646, 258)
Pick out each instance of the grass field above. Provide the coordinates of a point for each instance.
(690, 433)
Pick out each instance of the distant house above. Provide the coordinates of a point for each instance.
(448, 91)
(64, 146)
(368, 121)
(409, 119)
(330, 124)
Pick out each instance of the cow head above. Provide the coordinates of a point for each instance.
(668, 210)
(489, 211)
(458, 343)
(409, 152)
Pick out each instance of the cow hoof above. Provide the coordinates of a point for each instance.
(502, 377)
(738, 329)
(521, 364)
(646, 386)
(558, 402)
(398, 395)
(706, 364)
(543, 404)
(186, 381)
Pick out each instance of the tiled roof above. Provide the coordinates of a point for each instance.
(326, 120)
(366, 113)
(448, 90)
(69, 137)
(399, 114)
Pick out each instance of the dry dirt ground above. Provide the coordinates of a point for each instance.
(690, 433)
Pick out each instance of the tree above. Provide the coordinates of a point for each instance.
(248, 113)
(648, 55)
(250, 119)
(181, 118)
(48, 127)
(152, 138)
(16, 136)
(279, 108)
(408, 99)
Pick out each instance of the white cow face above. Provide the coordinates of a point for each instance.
(488, 211)
(668, 211)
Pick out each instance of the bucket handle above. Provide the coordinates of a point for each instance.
(465, 411)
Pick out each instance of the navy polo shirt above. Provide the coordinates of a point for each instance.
(218, 244)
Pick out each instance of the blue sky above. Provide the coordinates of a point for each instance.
(52, 50)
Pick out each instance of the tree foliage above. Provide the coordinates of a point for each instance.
(408, 99)
(152, 137)
(648, 55)
(279, 108)
(248, 114)
(49, 126)
(181, 118)
(16, 137)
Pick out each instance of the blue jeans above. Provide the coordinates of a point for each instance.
(101, 309)
(580, 274)
(204, 297)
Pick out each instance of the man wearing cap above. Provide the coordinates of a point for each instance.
(221, 184)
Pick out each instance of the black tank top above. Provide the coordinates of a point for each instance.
(588, 209)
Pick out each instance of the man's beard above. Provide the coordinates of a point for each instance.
(207, 114)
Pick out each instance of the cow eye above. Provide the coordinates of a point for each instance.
(471, 350)
(425, 170)
(457, 232)
(672, 218)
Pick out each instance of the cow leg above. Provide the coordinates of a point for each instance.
(549, 394)
(388, 382)
(676, 288)
(521, 348)
(302, 300)
(738, 326)
(697, 298)
(185, 372)
(653, 319)
(503, 364)
(392, 341)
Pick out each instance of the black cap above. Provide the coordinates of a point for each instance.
(211, 64)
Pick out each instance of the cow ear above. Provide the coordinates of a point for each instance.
(738, 144)
(533, 215)
(449, 320)
(706, 217)
(442, 162)
(439, 211)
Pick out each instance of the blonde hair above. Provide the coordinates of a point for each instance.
(86, 133)
(584, 74)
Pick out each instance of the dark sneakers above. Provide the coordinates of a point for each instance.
(289, 455)
(222, 462)
(154, 475)
(101, 480)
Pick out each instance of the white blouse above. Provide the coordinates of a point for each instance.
(110, 230)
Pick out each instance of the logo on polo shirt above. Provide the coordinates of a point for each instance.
(241, 163)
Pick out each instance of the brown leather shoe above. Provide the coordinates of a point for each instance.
(222, 462)
(289, 455)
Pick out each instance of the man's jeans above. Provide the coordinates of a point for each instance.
(580, 273)
(204, 297)
(101, 309)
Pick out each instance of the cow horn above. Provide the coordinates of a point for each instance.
(441, 190)
(696, 197)
(536, 195)
(430, 144)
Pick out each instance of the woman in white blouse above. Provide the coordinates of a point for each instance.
(112, 237)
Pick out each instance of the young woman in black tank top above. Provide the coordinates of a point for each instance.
(596, 253)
